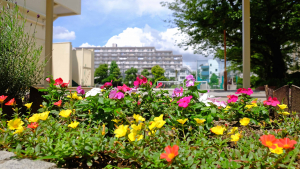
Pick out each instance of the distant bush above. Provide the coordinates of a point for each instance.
(20, 64)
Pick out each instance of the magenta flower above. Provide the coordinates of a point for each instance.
(190, 80)
(80, 91)
(184, 102)
(248, 91)
(119, 95)
(271, 101)
(232, 98)
(124, 88)
(48, 79)
(58, 81)
(177, 92)
(106, 85)
(159, 85)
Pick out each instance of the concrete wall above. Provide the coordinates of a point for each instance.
(62, 61)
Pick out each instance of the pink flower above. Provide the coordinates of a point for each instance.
(48, 79)
(79, 90)
(190, 80)
(106, 85)
(139, 102)
(184, 102)
(150, 83)
(136, 83)
(248, 91)
(159, 85)
(177, 92)
(124, 88)
(232, 98)
(58, 81)
(119, 95)
(58, 103)
(144, 80)
(271, 101)
(113, 93)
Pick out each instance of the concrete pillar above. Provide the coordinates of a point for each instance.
(48, 38)
(246, 43)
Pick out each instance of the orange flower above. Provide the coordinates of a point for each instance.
(2, 98)
(268, 141)
(58, 103)
(33, 125)
(12, 102)
(286, 143)
(172, 152)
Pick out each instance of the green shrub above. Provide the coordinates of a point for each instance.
(20, 65)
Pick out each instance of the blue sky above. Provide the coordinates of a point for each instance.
(125, 22)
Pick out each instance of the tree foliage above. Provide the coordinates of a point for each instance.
(114, 74)
(213, 80)
(21, 65)
(130, 75)
(274, 30)
(158, 73)
(101, 73)
(145, 73)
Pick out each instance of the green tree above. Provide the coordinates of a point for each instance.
(213, 80)
(101, 73)
(145, 73)
(114, 74)
(158, 73)
(194, 74)
(273, 29)
(130, 75)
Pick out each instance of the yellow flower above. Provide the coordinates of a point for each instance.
(227, 108)
(65, 113)
(245, 121)
(284, 113)
(218, 130)
(103, 130)
(79, 98)
(249, 106)
(102, 90)
(182, 121)
(34, 118)
(282, 106)
(254, 104)
(15, 124)
(133, 136)
(199, 121)
(277, 150)
(233, 130)
(151, 132)
(28, 105)
(121, 131)
(159, 118)
(44, 116)
(235, 137)
(19, 130)
(136, 128)
(73, 124)
(156, 124)
(116, 120)
(138, 118)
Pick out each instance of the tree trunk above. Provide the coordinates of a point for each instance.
(278, 64)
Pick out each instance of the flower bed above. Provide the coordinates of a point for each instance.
(147, 129)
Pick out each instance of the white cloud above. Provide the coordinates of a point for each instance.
(63, 33)
(139, 7)
(87, 45)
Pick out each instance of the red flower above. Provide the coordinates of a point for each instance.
(268, 141)
(172, 152)
(12, 102)
(33, 125)
(159, 85)
(271, 101)
(123, 88)
(106, 85)
(2, 98)
(65, 84)
(286, 143)
(139, 102)
(58, 103)
(58, 81)
(232, 98)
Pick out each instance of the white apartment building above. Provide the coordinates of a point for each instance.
(181, 73)
(136, 57)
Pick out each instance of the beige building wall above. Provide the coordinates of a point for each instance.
(62, 61)
(83, 67)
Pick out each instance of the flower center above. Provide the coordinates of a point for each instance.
(171, 156)
(286, 146)
(269, 143)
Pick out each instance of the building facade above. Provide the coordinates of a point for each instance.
(136, 57)
(206, 68)
(178, 74)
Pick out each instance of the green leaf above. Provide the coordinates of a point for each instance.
(101, 100)
(107, 110)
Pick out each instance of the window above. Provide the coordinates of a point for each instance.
(210, 64)
(216, 70)
(210, 72)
